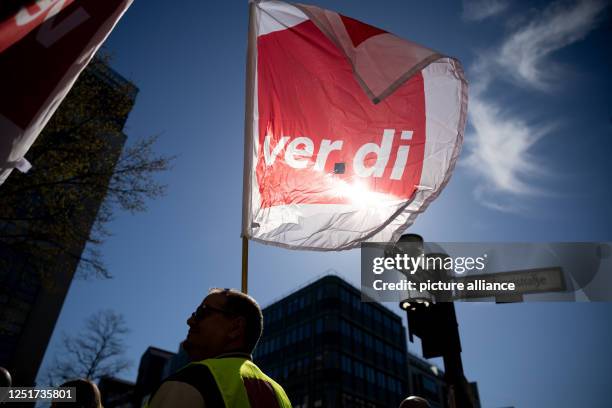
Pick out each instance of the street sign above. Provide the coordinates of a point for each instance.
(527, 281)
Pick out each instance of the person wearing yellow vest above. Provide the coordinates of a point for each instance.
(223, 333)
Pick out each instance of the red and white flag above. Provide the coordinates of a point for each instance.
(350, 131)
(43, 48)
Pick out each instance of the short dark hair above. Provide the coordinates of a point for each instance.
(245, 306)
(87, 395)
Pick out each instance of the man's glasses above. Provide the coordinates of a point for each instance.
(206, 310)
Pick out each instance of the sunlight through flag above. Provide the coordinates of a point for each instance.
(350, 131)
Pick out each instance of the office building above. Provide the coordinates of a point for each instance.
(150, 373)
(116, 393)
(176, 362)
(33, 283)
(329, 349)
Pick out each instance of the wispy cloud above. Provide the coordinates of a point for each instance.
(500, 153)
(477, 10)
(524, 54)
(501, 142)
(501, 147)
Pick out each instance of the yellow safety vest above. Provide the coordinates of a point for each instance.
(239, 380)
(232, 375)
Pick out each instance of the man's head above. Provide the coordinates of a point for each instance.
(414, 402)
(226, 321)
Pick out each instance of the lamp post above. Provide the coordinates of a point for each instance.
(432, 318)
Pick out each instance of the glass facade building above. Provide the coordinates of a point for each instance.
(327, 348)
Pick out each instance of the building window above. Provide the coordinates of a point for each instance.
(331, 324)
(377, 316)
(370, 376)
(380, 377)
(270, 345)
(331, 290)
(379, 346)
(358, 369)
(430, 386)
(389, 351)
(399, 357)
(330, 359)
(355, 301)
(320, 292)
(357, 335)
(392, 384)
(345, 296)
(345, 328)
(387, 322)
(368, 310)
(367, 340)
(306, 364)
(346, 364)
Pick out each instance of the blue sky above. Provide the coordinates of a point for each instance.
(534, 167)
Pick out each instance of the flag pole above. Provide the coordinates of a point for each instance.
(248, 145)
(245, 264)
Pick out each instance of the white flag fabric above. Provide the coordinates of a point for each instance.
(43, 48)
(350, 131)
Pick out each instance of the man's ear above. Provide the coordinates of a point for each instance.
(238, 328)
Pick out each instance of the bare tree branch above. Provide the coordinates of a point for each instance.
(58, 213)
(96, 352)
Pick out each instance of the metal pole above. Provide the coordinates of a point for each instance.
(453, 368)
(245, 264)
(436, 325)
(248, 144)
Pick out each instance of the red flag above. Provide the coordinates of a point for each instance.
(28, 18)
(350, 130)
(43, 49)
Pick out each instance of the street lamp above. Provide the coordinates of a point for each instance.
(432, 317)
